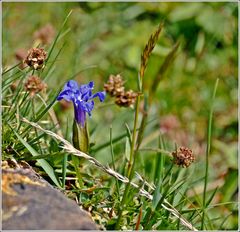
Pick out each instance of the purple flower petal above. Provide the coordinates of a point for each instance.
(100, 95)
(72, 85)
(91, 84)
(81, 97)
(65, 94)
(80, 115)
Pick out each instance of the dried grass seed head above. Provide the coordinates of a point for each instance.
(126, 99)
(34, 85)
(183, 156)
(148, 49)
(115, 85)
(36, 58)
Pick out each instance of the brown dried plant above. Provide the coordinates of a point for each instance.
(183, 156)
(34, 85)
(148, 49)
(36, 58)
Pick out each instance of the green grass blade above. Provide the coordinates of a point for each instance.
(158, 175)
(64, 164)
(231, 186)
(209, 136)
(113, 161)
(44, 164)
(143, 122)
(118, 138)
(41, 156)
(104, 145)
(129, 133)
(13, 67)
(58, 35)
(211, 197)
(41, 114)
(53, 62)
(223, 222)
(64, 170)
(166, 64)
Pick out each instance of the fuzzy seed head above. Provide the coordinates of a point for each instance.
(183, 157)
(36, 58)
(126, 99)
(34, 85)
(114, 86)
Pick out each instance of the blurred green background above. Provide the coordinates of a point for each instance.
(108, 38)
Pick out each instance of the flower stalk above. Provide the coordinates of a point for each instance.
(82, 99)
(130, 165)
(144, 59)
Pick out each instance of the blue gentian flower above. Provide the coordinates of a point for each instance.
(81, 96)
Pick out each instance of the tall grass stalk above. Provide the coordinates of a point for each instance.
(132, 160)
(113, 163)
(130, 166)
(209, 137)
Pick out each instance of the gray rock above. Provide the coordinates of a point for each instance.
(30, 203)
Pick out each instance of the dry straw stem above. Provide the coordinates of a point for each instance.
(69, 148)
(148, 49)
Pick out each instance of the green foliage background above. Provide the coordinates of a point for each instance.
(108, 38)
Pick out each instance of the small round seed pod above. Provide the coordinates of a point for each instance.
(114, 86)
(126, 99)
(34, 85)
(183, 156)
(36, 58)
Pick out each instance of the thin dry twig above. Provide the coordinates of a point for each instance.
(69, 148)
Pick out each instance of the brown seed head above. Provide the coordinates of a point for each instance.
(183, 157)
(34, 85)
(36, 58)
(148, 49)
(126, 99)
(45, 34)
(114, 86)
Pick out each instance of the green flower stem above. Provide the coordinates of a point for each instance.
(76, 164)
(34, 114)
(64, 170)
(130, 166)
(81, 142)
(132, 151)
(112, 155)
(209, 138)
(125, 194)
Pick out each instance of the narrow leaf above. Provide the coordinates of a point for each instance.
(211, 197)
(43, 163)
(209, 138)
(163, 68)
(143, 122)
